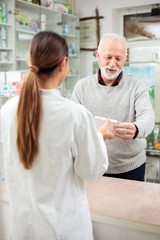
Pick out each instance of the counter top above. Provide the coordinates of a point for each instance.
(125, 203)
(132, 203)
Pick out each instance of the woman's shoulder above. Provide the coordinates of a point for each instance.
(78, 111)
(10, 105)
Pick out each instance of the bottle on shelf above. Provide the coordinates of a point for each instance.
(4, 56)
(4, 18)
(0, 38)
(4, 37)
(65, 28)
(43, 22)
(0, 13)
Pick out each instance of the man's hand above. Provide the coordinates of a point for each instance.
(124, 130)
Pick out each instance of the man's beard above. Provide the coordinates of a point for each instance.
(110, 76)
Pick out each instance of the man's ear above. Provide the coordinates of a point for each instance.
(63, 63)
(97, 55)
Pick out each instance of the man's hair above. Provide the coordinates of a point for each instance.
(113, 36)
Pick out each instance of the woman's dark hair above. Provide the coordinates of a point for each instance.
(47, 50)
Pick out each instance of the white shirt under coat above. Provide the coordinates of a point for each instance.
(49, 201)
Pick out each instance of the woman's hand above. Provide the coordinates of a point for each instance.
(105, 130)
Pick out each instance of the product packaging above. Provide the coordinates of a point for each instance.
(150, 140)
(101, 120)
(63, 7)
(43, 22)
(47, 3)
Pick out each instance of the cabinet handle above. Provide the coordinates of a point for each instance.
(15, 12)
(59, 23)
(10, 11)
(78, 28)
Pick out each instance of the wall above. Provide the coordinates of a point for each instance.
(110, 10)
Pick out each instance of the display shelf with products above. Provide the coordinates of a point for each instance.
(144, 64)
(7, 42)
(64, 24)
(23, 20)
(70, 31)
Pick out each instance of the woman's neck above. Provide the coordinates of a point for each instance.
(45, 82)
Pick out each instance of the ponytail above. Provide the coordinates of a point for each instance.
(29, 114)
(47, 50)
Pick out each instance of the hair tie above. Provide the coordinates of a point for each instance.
(34, 69)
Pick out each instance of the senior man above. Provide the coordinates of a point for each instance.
(114, 94)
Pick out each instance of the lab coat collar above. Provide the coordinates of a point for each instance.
(50, 91)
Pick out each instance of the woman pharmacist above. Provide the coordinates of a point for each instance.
(50, 146)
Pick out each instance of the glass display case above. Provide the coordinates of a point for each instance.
(144, 63)
(23, 19)
(7, 41)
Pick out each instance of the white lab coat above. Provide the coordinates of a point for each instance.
(49, 201)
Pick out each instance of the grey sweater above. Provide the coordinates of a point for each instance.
(127, 102)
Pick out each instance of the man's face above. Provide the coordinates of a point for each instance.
(111, 58)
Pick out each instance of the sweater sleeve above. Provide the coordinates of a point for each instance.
(89, 150)
(145, 116)
(76, 95)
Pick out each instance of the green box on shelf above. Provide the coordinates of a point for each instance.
(63, 7)
(150, 140)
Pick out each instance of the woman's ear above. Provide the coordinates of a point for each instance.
(63, 63)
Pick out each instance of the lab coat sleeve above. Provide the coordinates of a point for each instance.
(1, 147)
(89, 151)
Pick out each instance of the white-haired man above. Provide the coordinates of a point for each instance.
(114, 94)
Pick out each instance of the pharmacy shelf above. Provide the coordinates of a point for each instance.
(24, 31)
(153, 152)
(69, 15)
(69, 35)
(21, 59)
(6, 63)
(19, 37)
(73, 56)
(72, 75)
(32, 6)
(5, 49)
(6, 24)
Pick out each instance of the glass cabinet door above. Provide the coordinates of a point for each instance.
(7, 43)
(144, 63)
(70, 31)
(29, 19)
(27, 24)
(20, 20)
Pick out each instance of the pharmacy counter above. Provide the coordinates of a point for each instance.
(124, 209)
(120, 209)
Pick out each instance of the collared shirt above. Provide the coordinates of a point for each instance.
(100, 80)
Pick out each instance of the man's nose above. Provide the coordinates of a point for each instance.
(113, 62)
